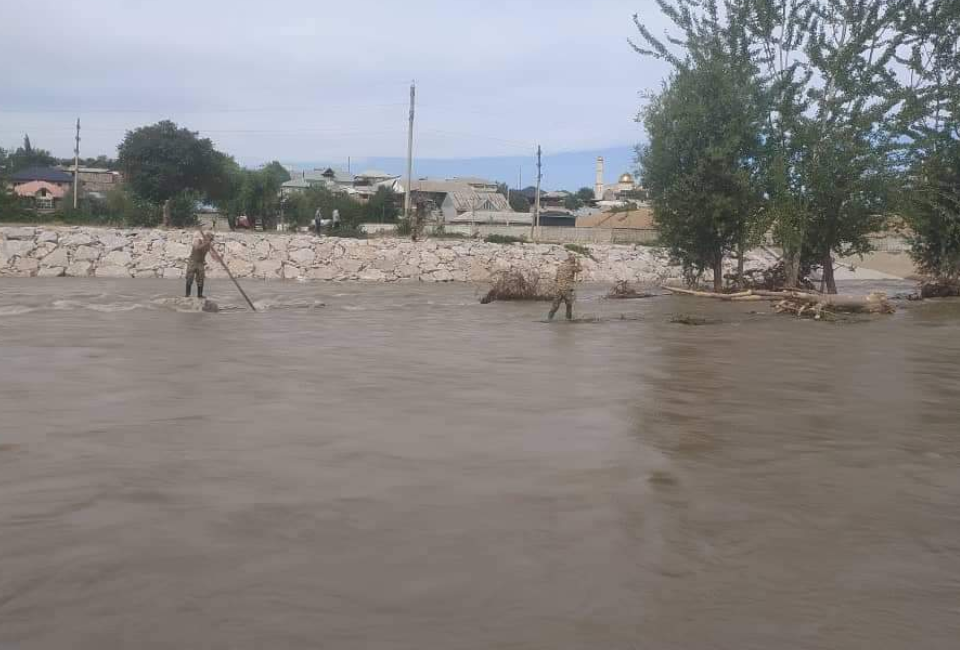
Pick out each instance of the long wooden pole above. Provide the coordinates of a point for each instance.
(226, 268)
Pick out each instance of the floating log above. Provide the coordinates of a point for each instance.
(801, 303)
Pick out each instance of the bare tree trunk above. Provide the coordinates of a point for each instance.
(718, 274)
(829, 281)
(791, 268)
(166, 213)
(740, 262)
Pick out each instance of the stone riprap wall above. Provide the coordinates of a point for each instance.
(110, 253)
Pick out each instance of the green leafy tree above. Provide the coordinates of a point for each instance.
(848, 172)
(383, 206)
(585, 194)
(930, 128)
(27, 156)
(699, 166)
(163, 161)
(572, 202)
(518, 202)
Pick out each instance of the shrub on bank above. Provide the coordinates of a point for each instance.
(504, 239)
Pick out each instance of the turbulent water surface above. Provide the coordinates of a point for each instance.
(404, 468)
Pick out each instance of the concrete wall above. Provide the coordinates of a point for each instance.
(103, 252)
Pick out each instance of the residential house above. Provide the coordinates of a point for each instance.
(335, 180)
(445, 199)
(553, 199)
(369, 182)
(45, 187)
(96, 180)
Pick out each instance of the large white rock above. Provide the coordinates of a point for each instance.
(48, 236)
(57, 258)
(262, 249)
(371, 275)
(86, 253)
(237, 249)
(80, 269)
(117, 258)
(302, 256)
(290, 272)
(348, 265)
(18, 233)
(174, 250)
(113, 242)
(16, 247)
(322, 273)
(240, 268)
(77, 239)
(407, 271)
(27, 264)
(267, 269)
(148, 261)
(172, 272)
(429, 261)
(112, 272)
(51, 272)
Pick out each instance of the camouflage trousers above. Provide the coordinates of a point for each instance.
(196, 271)
(564, 295)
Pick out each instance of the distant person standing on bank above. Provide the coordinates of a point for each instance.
(566, 279)
(318, 221)
(336, 219)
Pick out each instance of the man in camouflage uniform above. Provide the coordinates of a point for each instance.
(196, 265)
(566, 278)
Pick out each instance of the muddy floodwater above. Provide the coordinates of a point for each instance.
(404, 468)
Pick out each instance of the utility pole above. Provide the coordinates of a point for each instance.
(76, 168)
(536, 209)
(406, 198)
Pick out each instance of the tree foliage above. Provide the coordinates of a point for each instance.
(704, 139)
(163, 161)
(585, 194)
(24, 157)
(930, 128)
(829, 97)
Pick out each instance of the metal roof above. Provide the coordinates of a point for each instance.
(493, 217)
(48, 174)
(376, 173)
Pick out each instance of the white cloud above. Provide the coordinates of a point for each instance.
(493, 77)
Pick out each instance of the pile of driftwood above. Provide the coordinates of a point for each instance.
(623, 291)
(940, 289)
(804, 304)
(513, 284)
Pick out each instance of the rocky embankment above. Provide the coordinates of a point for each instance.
(111, 253)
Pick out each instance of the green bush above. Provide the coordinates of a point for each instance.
(504, 239)
(578, 249)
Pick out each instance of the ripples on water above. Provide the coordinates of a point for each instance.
(405, 468)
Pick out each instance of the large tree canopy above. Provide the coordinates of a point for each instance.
(162, 161)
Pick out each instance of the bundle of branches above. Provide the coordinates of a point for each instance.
(623, 290)
(802, 303)
(940, 288)
(774, 278)
(513, 284)
(815, 305)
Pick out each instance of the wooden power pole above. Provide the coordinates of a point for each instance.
(406, 198)
(536, 208)
(76, 168)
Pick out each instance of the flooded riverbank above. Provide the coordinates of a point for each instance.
(397, 466)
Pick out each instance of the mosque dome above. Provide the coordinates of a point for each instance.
(626, 179)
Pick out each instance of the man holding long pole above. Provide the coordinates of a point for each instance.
(196, 266)
(197, 263)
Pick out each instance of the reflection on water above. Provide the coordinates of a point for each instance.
(405, 468)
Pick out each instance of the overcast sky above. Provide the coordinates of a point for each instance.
(320, 80)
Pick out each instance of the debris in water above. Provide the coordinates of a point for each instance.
(185, 304)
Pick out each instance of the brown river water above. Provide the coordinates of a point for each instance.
(407, 469)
